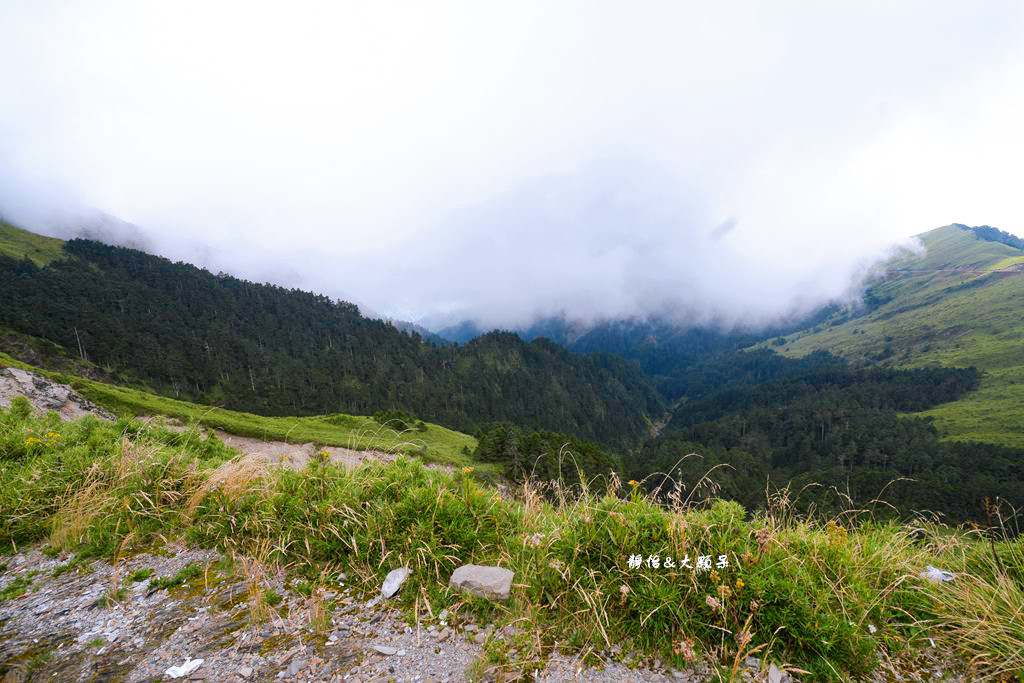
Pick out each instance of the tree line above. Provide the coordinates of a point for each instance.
(185, 332)
(838, 435)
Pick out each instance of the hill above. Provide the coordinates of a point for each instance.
(21, 244)
(263, 349)
(666, 350)
(960, 303)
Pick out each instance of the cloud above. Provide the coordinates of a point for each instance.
(724, 162)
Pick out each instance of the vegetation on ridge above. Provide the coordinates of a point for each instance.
(952, 305)
(272, 351)
(430, 442)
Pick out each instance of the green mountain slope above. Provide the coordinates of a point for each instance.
(267, 350)
(431, 442)
(20, 244)
(959, 303)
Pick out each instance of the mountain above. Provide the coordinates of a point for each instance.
(461, 333)
(559, 329)
(958, 303)
(665, 349)
(268, 350)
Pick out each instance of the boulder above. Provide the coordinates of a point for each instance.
(394, 581)
(493, 583)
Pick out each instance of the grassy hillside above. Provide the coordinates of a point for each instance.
(836, 600)
(19, 244)
(435, 444)
(960, 303)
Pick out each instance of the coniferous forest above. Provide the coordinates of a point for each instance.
(261, 348)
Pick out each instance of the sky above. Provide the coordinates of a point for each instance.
(437, 161)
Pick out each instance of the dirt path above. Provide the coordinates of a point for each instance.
(297, 456)
(293, 455)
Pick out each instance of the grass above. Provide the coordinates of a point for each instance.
(946, 318)
(185, 574)
(433, 444)
(139, 575)
(16, 588)
(18, 244)
(825, 598)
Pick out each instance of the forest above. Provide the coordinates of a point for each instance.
(840, 437)
(987, 232)
(265, 349)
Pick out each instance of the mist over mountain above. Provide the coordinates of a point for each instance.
(728, 164)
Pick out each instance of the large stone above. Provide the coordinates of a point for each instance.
(493, 583)
(394, 581)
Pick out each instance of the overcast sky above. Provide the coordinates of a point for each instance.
(506, 160)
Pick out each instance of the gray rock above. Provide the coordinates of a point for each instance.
(493, 583)
(753, 663)
(775, 674)
(296, 666)
(385, 650)
(245, 671)
(936, 575)
(394, 581)
(44, 394)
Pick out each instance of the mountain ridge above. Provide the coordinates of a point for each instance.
(266, 349)
(957, 304)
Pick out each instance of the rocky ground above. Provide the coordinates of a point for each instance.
(298, 456)
(66, 621)
(45, 394)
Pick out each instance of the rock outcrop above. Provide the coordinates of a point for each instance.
(45, 394)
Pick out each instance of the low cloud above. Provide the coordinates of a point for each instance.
(733, 163)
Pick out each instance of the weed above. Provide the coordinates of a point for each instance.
(186, 573)
(16, 588)
(791, 589)
(112, 597)
(139, 575)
